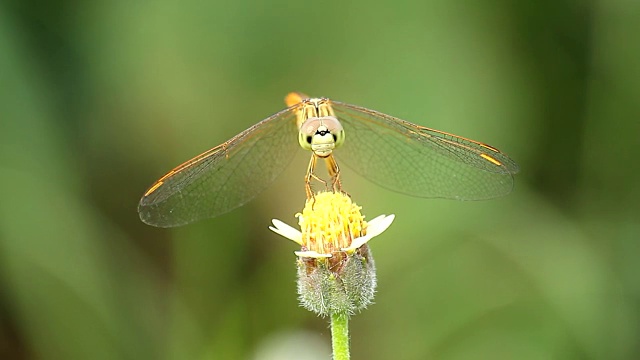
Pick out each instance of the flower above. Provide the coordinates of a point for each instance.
(336, 272)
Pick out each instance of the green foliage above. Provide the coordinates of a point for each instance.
(99, 99)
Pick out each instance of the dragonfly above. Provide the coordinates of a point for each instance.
(391, 152)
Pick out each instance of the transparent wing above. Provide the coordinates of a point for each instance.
(419, 161)
(225, 177)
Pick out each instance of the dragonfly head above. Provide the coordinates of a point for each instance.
(321, 135)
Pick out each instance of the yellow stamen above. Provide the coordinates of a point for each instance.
(329, 222)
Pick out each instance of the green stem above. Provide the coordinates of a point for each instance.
(340, 336)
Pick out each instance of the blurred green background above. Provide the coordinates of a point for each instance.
(99, 99)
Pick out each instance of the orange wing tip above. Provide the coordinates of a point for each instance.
(491, 159)
(294, 98)
(489, 147)
(153, 188)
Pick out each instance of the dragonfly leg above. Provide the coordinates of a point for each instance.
(307, 178)
(334, 172)
(311, 175)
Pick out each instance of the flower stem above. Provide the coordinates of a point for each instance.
(340, 336)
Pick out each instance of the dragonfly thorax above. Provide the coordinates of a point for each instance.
(321, 135)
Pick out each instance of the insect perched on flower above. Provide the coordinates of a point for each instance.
(391, 152)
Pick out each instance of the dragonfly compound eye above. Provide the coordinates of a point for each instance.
(335, 128)
(305, 139)
(321, 135)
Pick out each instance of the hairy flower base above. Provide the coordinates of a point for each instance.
(336, 272)
(347, 286)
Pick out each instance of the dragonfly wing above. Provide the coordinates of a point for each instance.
(419, 161)
(224, 177)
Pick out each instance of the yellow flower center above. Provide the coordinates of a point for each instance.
(329, 222)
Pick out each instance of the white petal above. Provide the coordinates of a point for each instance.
(286, 231)
(357, 242)
(380, 224)
(376, 227)
(376, 219)
(312, 254)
